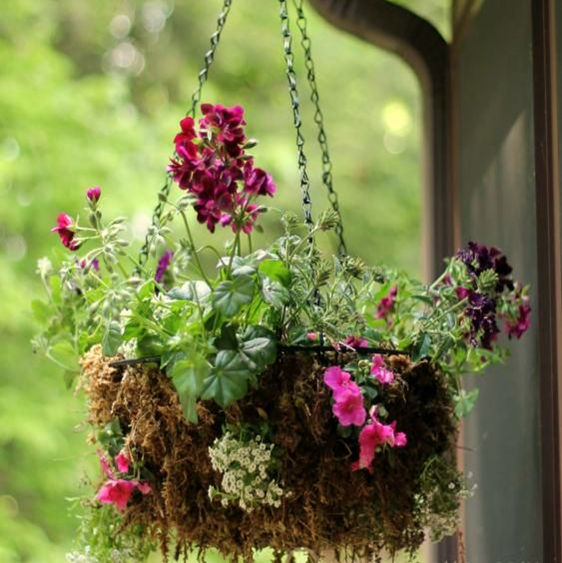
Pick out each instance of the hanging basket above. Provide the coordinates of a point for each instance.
(324, 506)
(286, 400)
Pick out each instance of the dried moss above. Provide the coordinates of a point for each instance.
(329, 506)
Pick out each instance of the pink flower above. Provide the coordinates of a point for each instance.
(386, 305)
(117, 492)
(336, 379)
(66, 234)
(372, 436)
(379, 370)
(93, 194)
(105, 465)
(348, 408)
(356, 342)
(122, 461)
(311, 335)
(143, 487)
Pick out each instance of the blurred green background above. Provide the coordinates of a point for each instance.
(91, 94)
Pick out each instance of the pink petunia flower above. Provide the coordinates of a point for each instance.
(122, 461)
(372, 436)
(336, 378)
(65, 232)
(380, 371)
(117, 492)
(349, 407)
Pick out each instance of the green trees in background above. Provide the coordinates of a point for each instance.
(90, 94)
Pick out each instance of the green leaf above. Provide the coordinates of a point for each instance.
(231, 295)
(274, 293)
(228, 381)
(42, 311)
(197, 291)
(189, 375)
(421, 347)
(227, 339)
(258, 348)
(149, 345)
(243, 266)
(146, 290)
(276, 270)
(464, 402)
(64, 354)
(112, 339)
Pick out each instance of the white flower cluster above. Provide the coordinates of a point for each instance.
(245, 466)
(116, 556)
(77, 557)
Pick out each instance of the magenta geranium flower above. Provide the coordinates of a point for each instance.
(380, 371)
(349, 406)
(65, 231)
(386, 304)
(187, 134)
(258, 181)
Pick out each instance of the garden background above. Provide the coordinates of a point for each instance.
(91, 94)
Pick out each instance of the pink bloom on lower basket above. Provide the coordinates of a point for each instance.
(380, 371)
(143, 487)
(349, 408)
(372, 436)
(336, 378)
(105, 466)
(122, 461)
(117, 492)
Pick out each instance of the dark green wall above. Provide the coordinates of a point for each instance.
(493, 91)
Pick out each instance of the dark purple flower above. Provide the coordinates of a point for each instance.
(93, 194)
(66, 234)
(481, 311)
(163, 265)
(478, 258)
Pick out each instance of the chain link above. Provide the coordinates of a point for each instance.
(195, 99)
(295, 105)
(327, 177)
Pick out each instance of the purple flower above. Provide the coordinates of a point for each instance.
(94, 264)
(481, 311)
(65, 232)
(163, 265)
(477, 258)
(93, 194)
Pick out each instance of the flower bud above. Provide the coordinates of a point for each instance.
(93, 194)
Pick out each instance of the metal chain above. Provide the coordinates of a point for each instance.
(195, 99)
(295, 105)
(327, 177)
